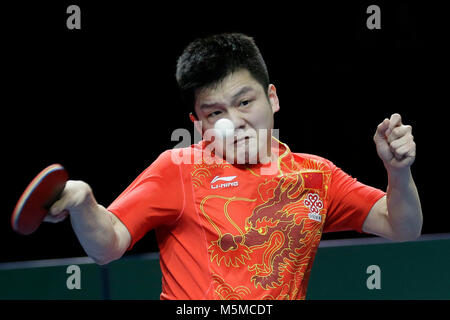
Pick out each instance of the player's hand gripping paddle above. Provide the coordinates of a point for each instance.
(35, 203)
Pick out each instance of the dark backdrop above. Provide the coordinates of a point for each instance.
(103, 100)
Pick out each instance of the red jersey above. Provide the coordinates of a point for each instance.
(230, 232)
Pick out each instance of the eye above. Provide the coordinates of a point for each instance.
(213, 114)
(244, 103)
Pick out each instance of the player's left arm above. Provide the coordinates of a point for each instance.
(398, 216)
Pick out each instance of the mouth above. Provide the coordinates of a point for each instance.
(242, 139)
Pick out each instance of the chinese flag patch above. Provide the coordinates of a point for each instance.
(313, 180)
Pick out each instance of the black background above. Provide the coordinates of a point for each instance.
(103, 100)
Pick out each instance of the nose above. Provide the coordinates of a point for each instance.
(237, 119)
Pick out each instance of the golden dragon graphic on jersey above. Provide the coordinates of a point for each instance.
(272, 246)
(273, 235)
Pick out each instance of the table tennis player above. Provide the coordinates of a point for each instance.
(236, 230)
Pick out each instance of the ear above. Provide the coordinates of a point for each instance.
(192, 117)
(273, 98)
(197, 123)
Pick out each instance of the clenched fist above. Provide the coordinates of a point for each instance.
(395, 143)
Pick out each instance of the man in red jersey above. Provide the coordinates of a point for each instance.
(235, 230)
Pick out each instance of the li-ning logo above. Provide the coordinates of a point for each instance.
(229, 182)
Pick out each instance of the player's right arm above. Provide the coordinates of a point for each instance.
(103, 236)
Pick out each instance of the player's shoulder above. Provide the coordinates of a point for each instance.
(163, 162)
(171, 158)
(187, 155)
(306, 158)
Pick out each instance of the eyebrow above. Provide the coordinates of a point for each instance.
(235, 97)
(241, 92)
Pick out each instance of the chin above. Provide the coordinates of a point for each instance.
(246, 157)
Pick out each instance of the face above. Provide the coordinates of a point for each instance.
(241, 99)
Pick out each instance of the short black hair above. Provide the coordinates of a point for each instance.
(207, 61)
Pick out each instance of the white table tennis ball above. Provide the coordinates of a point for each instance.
(224, 128)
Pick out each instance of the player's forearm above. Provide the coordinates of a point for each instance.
(94, 229)
(404, 208)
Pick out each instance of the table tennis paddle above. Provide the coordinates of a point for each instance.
(37, 199)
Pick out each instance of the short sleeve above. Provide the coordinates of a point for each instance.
(154, 199)
(350, 201)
